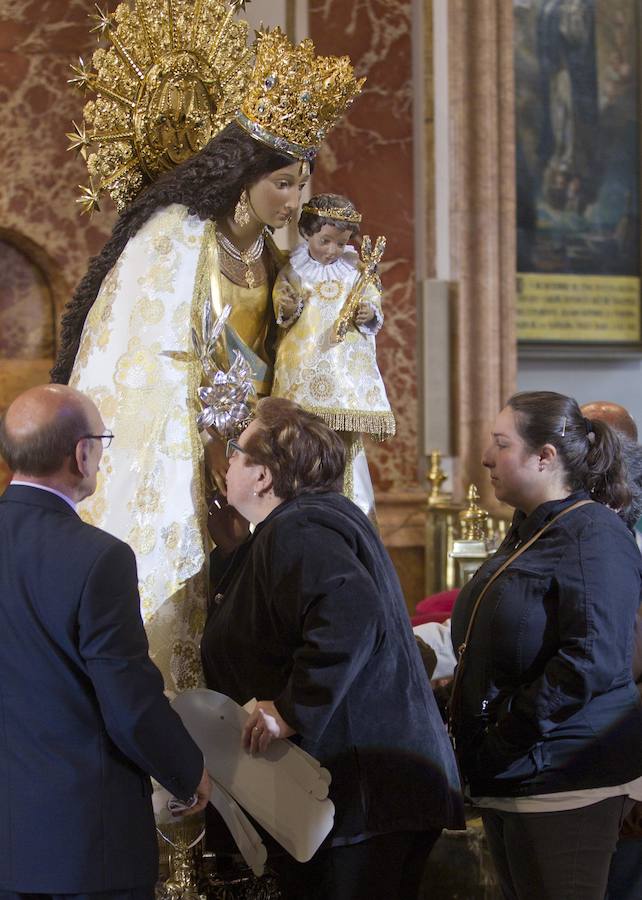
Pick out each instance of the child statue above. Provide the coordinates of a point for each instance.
(334, 376)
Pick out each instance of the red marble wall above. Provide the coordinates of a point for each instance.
(44, 243)
(369, 157)
(38, 41)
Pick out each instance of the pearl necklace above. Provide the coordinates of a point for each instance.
(247, 257)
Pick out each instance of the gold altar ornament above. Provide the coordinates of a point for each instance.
(472, 520)
(174, 76)
(370, 258)
(185, 856)
(436, 477)
(471, 548)
(294, 97)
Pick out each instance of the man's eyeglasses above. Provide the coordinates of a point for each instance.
(105, 439)
(231, 448)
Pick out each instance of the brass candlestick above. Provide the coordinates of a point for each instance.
(435, 478)
(440, 571)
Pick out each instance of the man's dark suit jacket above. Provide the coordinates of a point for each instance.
(83, 718)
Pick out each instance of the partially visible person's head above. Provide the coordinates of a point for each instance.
(301, 453)
(632, 460)
(328, 222)
(588, 451)
(50, 433)
(619, 418)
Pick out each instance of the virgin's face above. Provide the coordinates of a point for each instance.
(514, 469)
(275, 199)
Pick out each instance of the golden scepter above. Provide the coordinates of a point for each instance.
(370, 258)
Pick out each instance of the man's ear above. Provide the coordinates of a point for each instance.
(80, 458)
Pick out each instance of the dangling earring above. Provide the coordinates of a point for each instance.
(242, 210)
(541, 467)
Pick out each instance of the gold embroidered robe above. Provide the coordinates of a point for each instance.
(136, 362)
(340, 382)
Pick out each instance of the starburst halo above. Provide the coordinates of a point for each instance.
(174, 75)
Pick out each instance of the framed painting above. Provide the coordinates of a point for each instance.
(577, 101)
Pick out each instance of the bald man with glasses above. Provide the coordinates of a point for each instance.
(83, 718)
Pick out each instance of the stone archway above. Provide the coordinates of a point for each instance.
(31, 295)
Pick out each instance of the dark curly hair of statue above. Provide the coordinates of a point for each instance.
(589, 450)
(311, 223)
(209, 184)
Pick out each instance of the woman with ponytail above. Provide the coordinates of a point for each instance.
(546, 719)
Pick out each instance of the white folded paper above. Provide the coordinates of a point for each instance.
(284, 789)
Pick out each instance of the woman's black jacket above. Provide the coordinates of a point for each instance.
(310, 614)
(547, 701)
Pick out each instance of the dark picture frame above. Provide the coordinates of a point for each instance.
(577, 97)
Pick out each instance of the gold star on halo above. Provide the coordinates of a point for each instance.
(88, 198)
(82, 78)
(139, 33)
(103, 21)
(78, 140)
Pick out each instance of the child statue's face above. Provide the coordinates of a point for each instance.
(327, 245)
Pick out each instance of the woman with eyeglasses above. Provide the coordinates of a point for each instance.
(310, 619)
(544, 712)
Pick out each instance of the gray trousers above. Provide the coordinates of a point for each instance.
(555, 855)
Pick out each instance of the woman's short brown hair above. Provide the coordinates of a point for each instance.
(302, 453)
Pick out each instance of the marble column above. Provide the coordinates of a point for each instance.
(482, 223)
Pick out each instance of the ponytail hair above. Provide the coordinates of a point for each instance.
(589, 451)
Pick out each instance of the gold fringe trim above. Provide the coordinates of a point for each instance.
(379, 425)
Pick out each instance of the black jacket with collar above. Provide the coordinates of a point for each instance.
(310, 614)
(547, 701)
